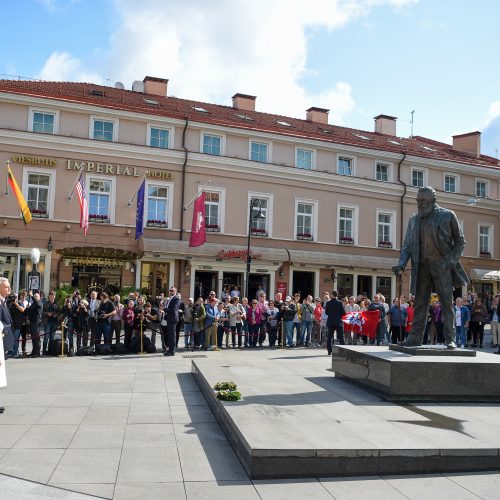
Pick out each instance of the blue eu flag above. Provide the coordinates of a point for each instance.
(139, 217)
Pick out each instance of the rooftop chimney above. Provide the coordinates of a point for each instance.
(244, 102)
(317, 115)
(385, 124)
(155, 86)
(468, 143)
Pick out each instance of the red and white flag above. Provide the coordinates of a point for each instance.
(198, 234)
(363, 322)
(84, 207)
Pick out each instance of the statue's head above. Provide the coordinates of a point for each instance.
(426, 200)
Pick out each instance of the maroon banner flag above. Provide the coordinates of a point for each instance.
(198, 234)
(362, 322)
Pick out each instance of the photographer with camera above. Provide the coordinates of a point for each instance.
(17, 307)
(288, 312)
(116, 320)
(34, 314)
(104, 313)
(51, 312)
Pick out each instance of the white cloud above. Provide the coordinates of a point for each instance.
(61, 66)
(210, 51)
(493, 112)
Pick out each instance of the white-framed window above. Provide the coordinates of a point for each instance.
(159, 137)
(383, 171)
(158, 205)
(212, 144)
(482, 188)
(304, 158)
(451, 183)
(43, 121)
(485, 240)
(260, 151)
(214, 209)
(306, 215)
(386, 231)
(101, 199)
(103, 129)
(347, 223)
(418, 177)
(39, 190)
(345, 165)
(264, 201)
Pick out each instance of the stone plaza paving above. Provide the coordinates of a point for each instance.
(138, 427)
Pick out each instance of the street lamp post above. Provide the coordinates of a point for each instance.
(251, 218)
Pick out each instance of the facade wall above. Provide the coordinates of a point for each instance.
(112, 247)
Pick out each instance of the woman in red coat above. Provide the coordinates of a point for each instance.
(410, 311)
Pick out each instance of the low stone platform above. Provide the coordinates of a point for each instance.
(432, 350)
(400, 374)
(297, 420)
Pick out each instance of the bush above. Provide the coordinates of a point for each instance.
(226, 395)
(225, 386)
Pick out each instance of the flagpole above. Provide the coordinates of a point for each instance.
(70, 194)
(7, 179)
(129, 202)
(197, 194)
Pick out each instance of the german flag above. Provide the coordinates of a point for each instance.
(23, 206)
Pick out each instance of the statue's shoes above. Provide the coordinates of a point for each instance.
(411, 342)
(451, 345)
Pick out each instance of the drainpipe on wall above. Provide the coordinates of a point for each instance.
(401, 218)
(183, 175)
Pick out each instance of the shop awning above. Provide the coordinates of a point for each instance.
(485, 275)
(323, 259)
(175, 249)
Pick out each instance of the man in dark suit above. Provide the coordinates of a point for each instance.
(434, 242)
(34, 314)
(5, 318)
(334, 310)
(172, 317)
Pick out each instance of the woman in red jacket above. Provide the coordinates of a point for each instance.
(410, 311)
(254, 318)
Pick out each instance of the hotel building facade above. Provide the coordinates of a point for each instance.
(335, 200)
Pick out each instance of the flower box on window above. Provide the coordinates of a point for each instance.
(304, 236)
(485, 254)
(258, 232)
(214, 228)
(346, 240)
(39, 214)
(156, 223)
(385, 244)
(100, 219)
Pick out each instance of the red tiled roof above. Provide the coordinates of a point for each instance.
(173, 107)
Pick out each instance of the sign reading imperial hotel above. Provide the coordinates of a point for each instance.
(330, 202)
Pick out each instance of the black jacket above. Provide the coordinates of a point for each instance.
(34, 311)
(334, 309)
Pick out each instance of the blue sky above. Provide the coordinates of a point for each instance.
(358, 58)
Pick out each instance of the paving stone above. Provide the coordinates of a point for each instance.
(97, 436)
(486, 485)
(34, 465)
(291, 489)
(149, 465)
(11, 434)
(96, 490)
(64, 415)
(106, 415)
(87, 466)
(149, 382)
(112, 399)
(22, 414)
(151, 491)
(143, 413)
(221, 490)
(76, 399)
(354, 488)
(191, 414)
(47, 436)
(149, 436)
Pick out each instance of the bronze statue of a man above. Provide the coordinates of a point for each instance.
(434, 242)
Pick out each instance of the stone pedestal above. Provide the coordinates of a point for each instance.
(405, 376)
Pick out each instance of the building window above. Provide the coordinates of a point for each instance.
(346, 226)
(38, 195)
(103, 130)
(259, 151)
(484, 241)
(212, 144)
(212, 211)
(99, 200)
(344, 166)
(481, 189)
(305, 220)
(450, 183)
(384, 286)
(417, 178)
(157, 206)
(382, 172)
(384, 230)
(260, 227)
(345, 285)
(304, 159)
(159, 137)
(43, 121)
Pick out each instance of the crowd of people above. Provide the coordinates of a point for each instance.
(97, 323)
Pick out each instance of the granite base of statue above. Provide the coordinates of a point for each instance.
(414, 372)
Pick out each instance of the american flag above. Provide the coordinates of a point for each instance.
(84, 208)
